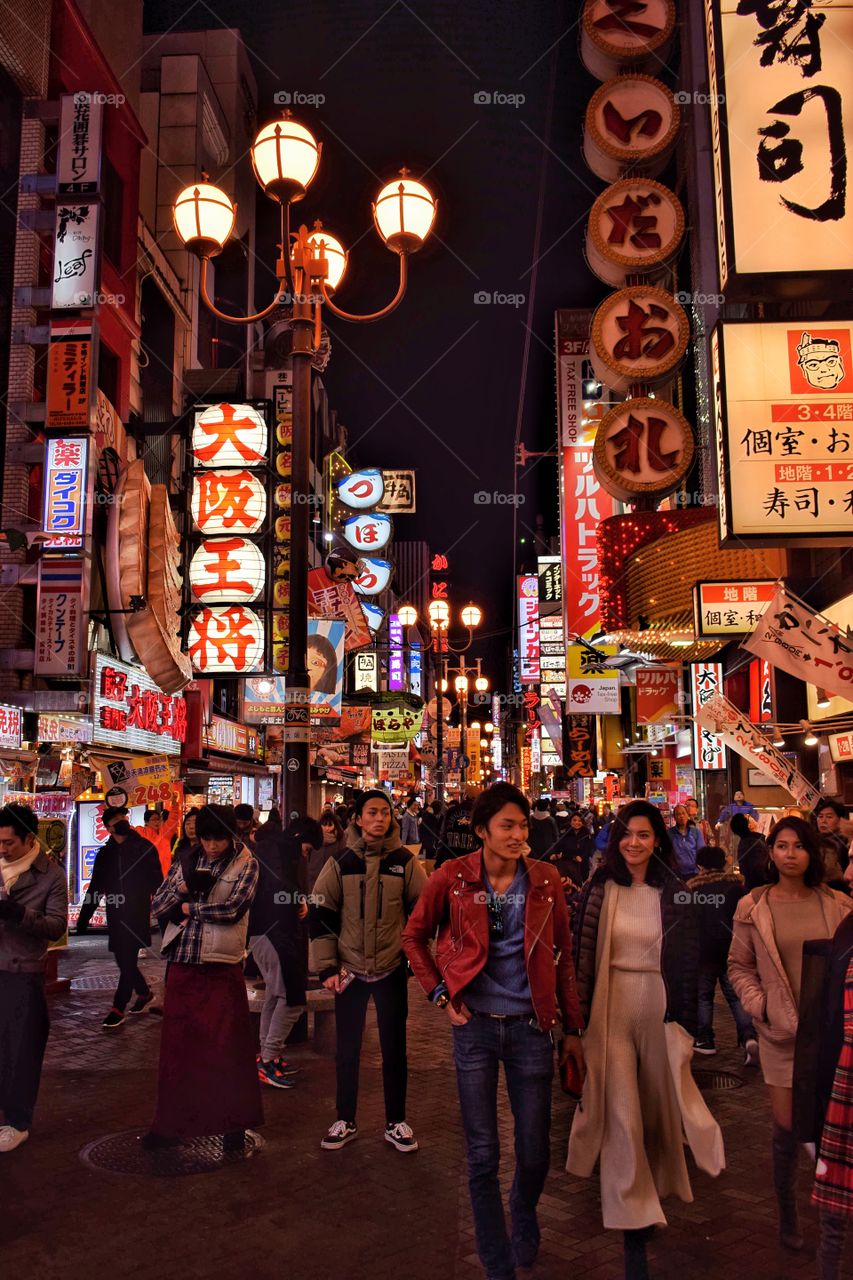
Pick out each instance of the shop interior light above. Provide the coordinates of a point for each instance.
(484, 742)
(823, 699)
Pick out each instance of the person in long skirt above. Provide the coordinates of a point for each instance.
(208, 1081)
(636, 958)
(771, 925)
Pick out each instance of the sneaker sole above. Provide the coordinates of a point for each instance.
(336, 1146)
(400, 1147)
(14, 1147)
(706, 1053)
(275, 1084)
(114, 1026)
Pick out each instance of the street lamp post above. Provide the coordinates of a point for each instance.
(310, 266)
(439, 623)
(461, 684)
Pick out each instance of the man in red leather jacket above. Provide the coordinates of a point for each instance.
(503, 971)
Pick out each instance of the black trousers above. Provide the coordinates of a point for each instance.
(390, 996)
(125, 951)
(24, 1025)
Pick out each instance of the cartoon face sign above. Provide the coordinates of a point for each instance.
(820, 361)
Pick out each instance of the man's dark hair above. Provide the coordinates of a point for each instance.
(739, 824)
(244, 812)
(215, 822)
(661, 869)
(21, 818)
(307, 831)
(541, 805)
(118, 812)
(837, 809)
(711, 858)
(807, 837)
(493, 799)
(374, 794)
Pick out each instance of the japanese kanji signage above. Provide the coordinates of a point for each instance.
(78, 164)
(793, 637)
(329, 599)
(75, 256)
(639, 334)
(583, 502)
(619, 32)
(232, 738)
(731, 727)
(226, 641)
(374, 577)
(361, 490)
(528, 629)
(365, 671)
(706, 682)
(11, 726)
(64, 728)
(729, 608)
(643, 449)
(583, 754)
(70, 380)
(782, 117)
(635, 226)
(399, 495)
(396, 677)
(592, 685)
(841, 747)
(63, 591)
(631, 121)
(368, 531)
(395, 724)
(784, 409)
(130, 711)
(224, 569)
(658, 690)
(65, 491)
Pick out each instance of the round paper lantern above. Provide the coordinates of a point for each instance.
(229, 435)
(635, 228)
(227, 570)
(228, 502)
(227, 641)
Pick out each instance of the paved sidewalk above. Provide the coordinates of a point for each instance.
(365, 1213)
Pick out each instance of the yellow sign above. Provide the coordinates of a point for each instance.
(582, 661)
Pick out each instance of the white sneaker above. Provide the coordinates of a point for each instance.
(401, 1136)
(11, 1138)
(341, 1132)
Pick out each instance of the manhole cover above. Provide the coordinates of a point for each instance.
(123, 1153)
(100, 982)
(717, 1080)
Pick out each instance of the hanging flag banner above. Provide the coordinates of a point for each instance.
(325, 667)
(395, 724)
(706, 680)
(658, 690)
(793, 637)
(731, 727)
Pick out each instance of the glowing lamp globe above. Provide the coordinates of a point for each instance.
(404, 213)
(408, 615)
(227, 571)
(204, 218)
(285, 157)
(325, 246)
(472, 616)
(481, 684)
(460, 684)
(439, 614)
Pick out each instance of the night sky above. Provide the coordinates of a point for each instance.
(437, 386)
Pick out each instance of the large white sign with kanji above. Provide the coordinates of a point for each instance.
(129, 710)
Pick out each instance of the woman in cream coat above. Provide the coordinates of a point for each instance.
(765, 964)
(636, 958)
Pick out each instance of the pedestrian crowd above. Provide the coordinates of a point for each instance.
(552, 934)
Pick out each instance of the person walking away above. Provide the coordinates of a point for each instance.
(334, 844)
(771, 925)
(188, 838)
(276, 941)
(208, 1080)
(127, 875)
(573, 852)
(33, 912)
(752, 856)
(161, 830)
(686, 843)
(360, 904)
(637, 962)
(716, 893)
(500, 922)
(409, 833)
(457, 833)
(430, 830)
(543, 831)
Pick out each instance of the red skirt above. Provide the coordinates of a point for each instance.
(208, 1079)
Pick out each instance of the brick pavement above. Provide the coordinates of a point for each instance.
(366, 1213)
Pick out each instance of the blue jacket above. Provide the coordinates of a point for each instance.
(685, 846)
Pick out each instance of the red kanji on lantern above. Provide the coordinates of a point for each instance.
(226, 500)
(225, 639)
(627, 443)
(642, 338)
(239, 435)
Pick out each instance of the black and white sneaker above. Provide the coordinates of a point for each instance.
(401, 1136)
(705, 1045)
(114, 1019)
(341, 1132)
(141, 1003)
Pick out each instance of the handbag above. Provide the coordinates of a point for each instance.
(571, 1080)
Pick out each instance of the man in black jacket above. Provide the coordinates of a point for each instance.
(277, 938)
(458, 837)
(126, 875)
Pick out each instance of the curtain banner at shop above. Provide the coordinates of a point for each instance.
(735, 731)
(792, 636)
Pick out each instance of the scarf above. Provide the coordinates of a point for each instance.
(12, 871)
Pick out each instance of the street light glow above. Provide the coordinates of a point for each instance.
(285, 156)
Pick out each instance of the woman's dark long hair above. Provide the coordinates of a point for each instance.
(661, 870)
(807, 837)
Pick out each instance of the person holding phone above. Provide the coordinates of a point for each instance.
(501, 919)
(637, 961)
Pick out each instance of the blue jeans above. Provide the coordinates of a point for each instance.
(709, 976)
(528, 1058)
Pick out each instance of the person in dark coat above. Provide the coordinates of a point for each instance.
(458, 837)
(753, 856)
(430, 829)
(573, 852)
(188, 839)
(126, 875)
(543, 835)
